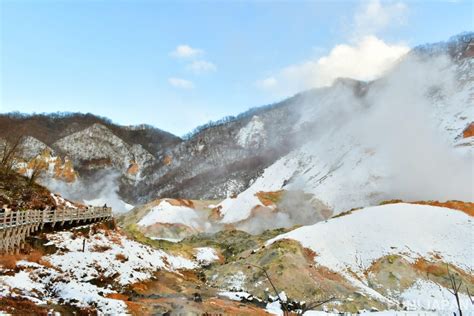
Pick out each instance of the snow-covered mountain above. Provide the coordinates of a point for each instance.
(312, 139)
(298, 199)
(400, 137)
(339, 143)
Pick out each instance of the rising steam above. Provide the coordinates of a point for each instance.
(101, 189)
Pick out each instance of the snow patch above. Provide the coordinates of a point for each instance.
(253, 134)
(168, 213)
(206, 255)
(409, 230)
(427, 295)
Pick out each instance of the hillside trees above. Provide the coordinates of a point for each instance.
(10, 150)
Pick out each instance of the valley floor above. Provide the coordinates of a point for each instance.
(381, 260)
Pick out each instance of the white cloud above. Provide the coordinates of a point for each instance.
(374, 17)
(202, 66)
(365, 60)
(181, 83)
(266, 83)
(186, 51)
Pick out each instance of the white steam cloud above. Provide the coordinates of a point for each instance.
(295, 208)
(421, 160)
(100, 190)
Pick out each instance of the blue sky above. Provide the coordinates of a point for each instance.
(120, 59)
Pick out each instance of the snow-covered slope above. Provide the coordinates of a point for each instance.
(165, 212)
(362, 237)
(97, 143)
(75, 277)
(253, 134)
(398, 137)
(410, 230)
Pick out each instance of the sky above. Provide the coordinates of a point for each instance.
(180, 64)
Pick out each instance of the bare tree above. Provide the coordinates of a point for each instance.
(455, 284)
(284, 306)
(470, 296)
(312, 305)
(10, 150)
(37, 166)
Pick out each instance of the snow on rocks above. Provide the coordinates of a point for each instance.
(22, 280)
(235, 296)
(113, 255)
(366, 235)
(427, 295)
(165, 212)
(99, 142)
(236, 282)
(206, 255)
(69, 273)
(253, 134)
(237, 209)
(60, 201)
(85, 294)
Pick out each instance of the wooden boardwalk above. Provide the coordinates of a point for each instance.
(15, 227)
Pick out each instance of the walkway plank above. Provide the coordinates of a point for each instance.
(16, 226)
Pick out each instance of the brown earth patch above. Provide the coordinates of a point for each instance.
(21, 306)
(167, 160)
(9, 261)
(133, 168)
(270, 198)
(181, 202)
(18, 194)
(468, 131)
(215, 213)
(427, 267)
(466, 207)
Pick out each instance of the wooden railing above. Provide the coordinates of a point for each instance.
(16, 226)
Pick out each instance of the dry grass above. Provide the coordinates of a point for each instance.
(9, 261)
(121, 257)
(104, 227)
(21, 306)
(466, 207)
(100, 248)
(116, 239)
(19, 194)
(422, 265)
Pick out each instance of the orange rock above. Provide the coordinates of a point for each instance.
(167, 160)
(466, 207)
(181, 202)
(216, 213)
(133, 168)
(468, 131)
(270, 198)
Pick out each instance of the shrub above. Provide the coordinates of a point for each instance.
(100, 248)
(121, 257)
